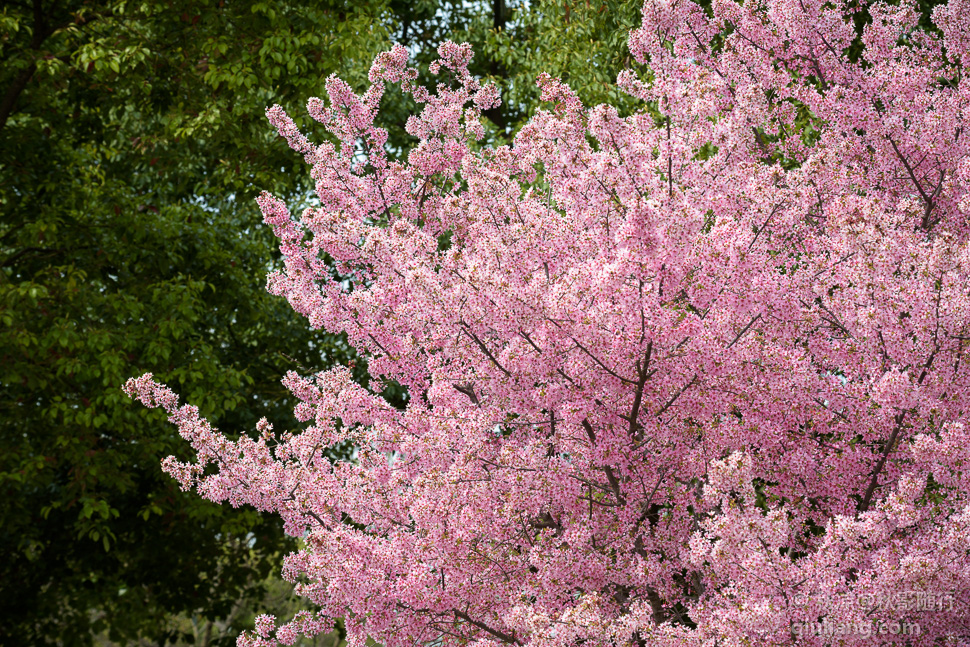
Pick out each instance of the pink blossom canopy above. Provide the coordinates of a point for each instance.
(695, 376)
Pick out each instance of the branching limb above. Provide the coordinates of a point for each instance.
(501, 635)
(610, 476)
(485, 350)
(468, 390)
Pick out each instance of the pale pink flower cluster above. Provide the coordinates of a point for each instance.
(679, 378)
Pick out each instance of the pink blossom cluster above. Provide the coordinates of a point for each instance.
(678, 378)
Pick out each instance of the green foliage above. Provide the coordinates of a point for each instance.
(583, 42)
(132, 144)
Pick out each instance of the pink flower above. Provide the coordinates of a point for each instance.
(693, 376)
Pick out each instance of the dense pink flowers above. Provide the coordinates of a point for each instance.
(696, 376)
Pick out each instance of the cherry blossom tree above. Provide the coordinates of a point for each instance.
(693, 376)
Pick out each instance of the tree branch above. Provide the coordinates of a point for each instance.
(468, 390)
(485, 350)
(13, 92)
(927, 199)
(501, 635)
(610, 476)
(644, 375)
(601, 364)
(891, 443)
(874, 480)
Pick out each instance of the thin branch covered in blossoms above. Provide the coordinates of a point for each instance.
(682, 378)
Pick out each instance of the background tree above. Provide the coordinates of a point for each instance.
(583, 43)
(130, 140)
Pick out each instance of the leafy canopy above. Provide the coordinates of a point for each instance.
(129, 242)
